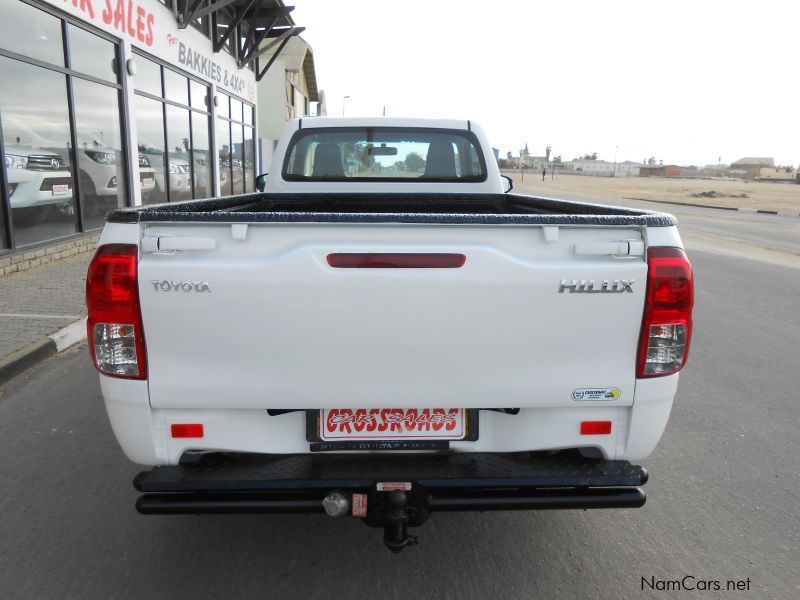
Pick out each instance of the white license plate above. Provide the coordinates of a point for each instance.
(393, 424)
(60, 189)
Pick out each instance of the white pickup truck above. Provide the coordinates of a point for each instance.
(385, 332)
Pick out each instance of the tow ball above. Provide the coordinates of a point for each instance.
(395, 528)
(392, 510)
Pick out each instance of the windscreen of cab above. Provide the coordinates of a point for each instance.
(384, 154)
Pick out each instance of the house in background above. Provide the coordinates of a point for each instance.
(776, 174)
(749, 167)
(601, 168)
(660, 171)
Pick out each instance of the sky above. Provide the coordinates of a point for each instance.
(684, 82)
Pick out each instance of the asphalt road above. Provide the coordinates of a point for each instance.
(722, 498)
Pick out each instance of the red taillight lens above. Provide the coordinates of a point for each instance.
(667, 324)
(114, 324)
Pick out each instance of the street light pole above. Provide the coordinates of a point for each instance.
(344, 100)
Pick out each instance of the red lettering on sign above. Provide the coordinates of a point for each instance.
(410, 419)
(140, 18)
(373, 419)
(131, 30)
(396, 420)
(148, 39)
(119, 15)
(108, 13)
(383, 426)
(426, 424)
(451, 424)
(127, 17)
(438, 423)
(359, 420)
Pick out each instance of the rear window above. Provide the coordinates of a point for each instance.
(385, 154)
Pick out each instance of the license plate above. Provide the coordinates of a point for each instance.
(393, 424)
(60, 189)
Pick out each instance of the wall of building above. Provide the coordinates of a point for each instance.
(776, 174)
(284, 93)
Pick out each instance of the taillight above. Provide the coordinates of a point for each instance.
(114, 324)
(667, 323)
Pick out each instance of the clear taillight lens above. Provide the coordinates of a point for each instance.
(116, 338)
(667, 323)
(115, 349)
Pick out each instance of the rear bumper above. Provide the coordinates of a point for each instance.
(143, 432)
(438, 482)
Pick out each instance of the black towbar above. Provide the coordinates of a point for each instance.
(203, 503)
(392, 491)
(539, 500)
(194, 503)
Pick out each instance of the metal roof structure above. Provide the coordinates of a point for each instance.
(246, 23)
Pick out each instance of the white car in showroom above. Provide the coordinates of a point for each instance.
(180, 186)
(37, 180)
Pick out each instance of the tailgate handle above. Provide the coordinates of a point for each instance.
(620, 248)
(174, 243)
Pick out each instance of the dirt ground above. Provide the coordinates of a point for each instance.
(781, 197)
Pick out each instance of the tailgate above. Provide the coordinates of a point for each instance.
(260, 320)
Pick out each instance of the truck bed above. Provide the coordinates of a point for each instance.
(445, 208)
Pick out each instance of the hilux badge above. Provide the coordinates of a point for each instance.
(590, 286)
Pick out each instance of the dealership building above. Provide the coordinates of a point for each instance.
(110, 103)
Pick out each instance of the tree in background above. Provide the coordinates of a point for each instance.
(547, 153)
(414, 162)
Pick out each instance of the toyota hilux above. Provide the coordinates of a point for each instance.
(387, 331)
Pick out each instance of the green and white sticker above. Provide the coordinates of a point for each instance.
(603, 394)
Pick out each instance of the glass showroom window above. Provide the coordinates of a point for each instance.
(45, 149)
(172, 128)
(235, 140)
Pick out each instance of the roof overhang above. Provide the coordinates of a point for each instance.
(254, 20)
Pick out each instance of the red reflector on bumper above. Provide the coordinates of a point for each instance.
(187, 430)
(595, 427)
(400, 260)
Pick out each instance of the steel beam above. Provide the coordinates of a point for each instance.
(254, 38)
(219, 43)
(272, 59)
